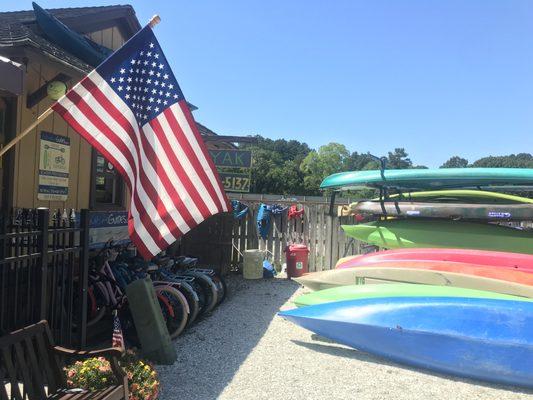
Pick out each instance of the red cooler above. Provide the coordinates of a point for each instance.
(297, 260)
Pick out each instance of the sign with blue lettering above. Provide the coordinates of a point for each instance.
(108, 226)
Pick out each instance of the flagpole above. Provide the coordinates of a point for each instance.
(19, 137)
(153, 22)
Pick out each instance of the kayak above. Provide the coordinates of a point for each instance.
(520, 262)
(382, 274)
(420, 179)
(461, 195)
(495, 271)
(396, 233)
(486, 339)
(353, 292)
(490, 212)
(73, 42)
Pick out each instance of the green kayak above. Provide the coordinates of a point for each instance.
(420, 179)
(399, 233)
(353, 292)
(460, 195)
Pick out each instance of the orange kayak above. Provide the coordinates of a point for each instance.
(504, 274)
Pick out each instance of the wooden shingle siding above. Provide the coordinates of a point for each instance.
(26, 164)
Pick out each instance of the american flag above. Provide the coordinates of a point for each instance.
(132, 110)
(118, 338)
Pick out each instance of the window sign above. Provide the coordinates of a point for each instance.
(53, 167)
(106, 226)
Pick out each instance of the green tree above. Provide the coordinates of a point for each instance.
(399, 159)
(455, 162)
(276, 166)
(521, 160)
(327, 160)
(362, 161)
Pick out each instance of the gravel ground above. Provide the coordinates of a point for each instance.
(244, 351)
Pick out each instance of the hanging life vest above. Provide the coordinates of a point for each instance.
(294, 212)
(264, 217)
(239, 209)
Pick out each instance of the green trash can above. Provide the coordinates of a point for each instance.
(149, 323)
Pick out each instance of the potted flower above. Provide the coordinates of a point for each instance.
(96, 373)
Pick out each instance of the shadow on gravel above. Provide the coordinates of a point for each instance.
(211, 352)
(334, 349)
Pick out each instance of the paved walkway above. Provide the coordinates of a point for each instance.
(244, 351)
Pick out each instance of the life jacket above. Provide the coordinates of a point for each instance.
(294, 212)
(239, 209)
(264, 215)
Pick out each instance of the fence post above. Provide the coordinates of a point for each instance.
(43, 215)
(83, 276)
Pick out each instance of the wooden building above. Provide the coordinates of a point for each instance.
(88, 180)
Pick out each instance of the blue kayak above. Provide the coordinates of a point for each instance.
(75, 43)
(431, 179)
(484, 339)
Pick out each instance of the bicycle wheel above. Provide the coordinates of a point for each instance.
(96, 303)
(188, 291)
(192, 300)
(174, 307)
(208, 287)
(221, 286)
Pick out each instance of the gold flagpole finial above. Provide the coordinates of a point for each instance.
(154, 21)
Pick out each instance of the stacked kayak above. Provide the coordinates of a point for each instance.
(426, 179)
(480, 338)
(356, 292)
(452, 288)
(398, 233)
(516, 284)
(521, 262)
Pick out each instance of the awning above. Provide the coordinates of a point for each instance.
(11, 77)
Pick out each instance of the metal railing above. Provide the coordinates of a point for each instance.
(44, 272)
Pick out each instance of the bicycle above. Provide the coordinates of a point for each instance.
(108, 292)
(208, 290)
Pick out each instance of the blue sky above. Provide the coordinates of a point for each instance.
(440, 78)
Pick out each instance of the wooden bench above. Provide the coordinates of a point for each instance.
(32, 366)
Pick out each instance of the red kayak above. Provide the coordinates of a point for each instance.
(494, 272)
(517, 261)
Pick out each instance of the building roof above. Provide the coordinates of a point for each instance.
(19, 28)
(205, 131)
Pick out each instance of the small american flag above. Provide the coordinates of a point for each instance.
(132, 110)
(118, 337)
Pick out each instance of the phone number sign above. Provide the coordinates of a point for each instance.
(235, 182)
(234, 168)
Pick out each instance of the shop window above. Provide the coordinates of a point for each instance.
(108, 186)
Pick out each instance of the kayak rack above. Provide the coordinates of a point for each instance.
(383, 191)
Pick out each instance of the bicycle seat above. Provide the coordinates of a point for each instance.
(152, 267)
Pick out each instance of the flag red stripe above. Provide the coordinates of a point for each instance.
(150, 155)
(180, 171)
(187, 148)
(162, 173)
(194, 128)
(146, 181)
(136, 239)
(173, 182)
(117, 141)
(146, 221)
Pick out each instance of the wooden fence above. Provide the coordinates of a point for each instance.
(319, 231)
